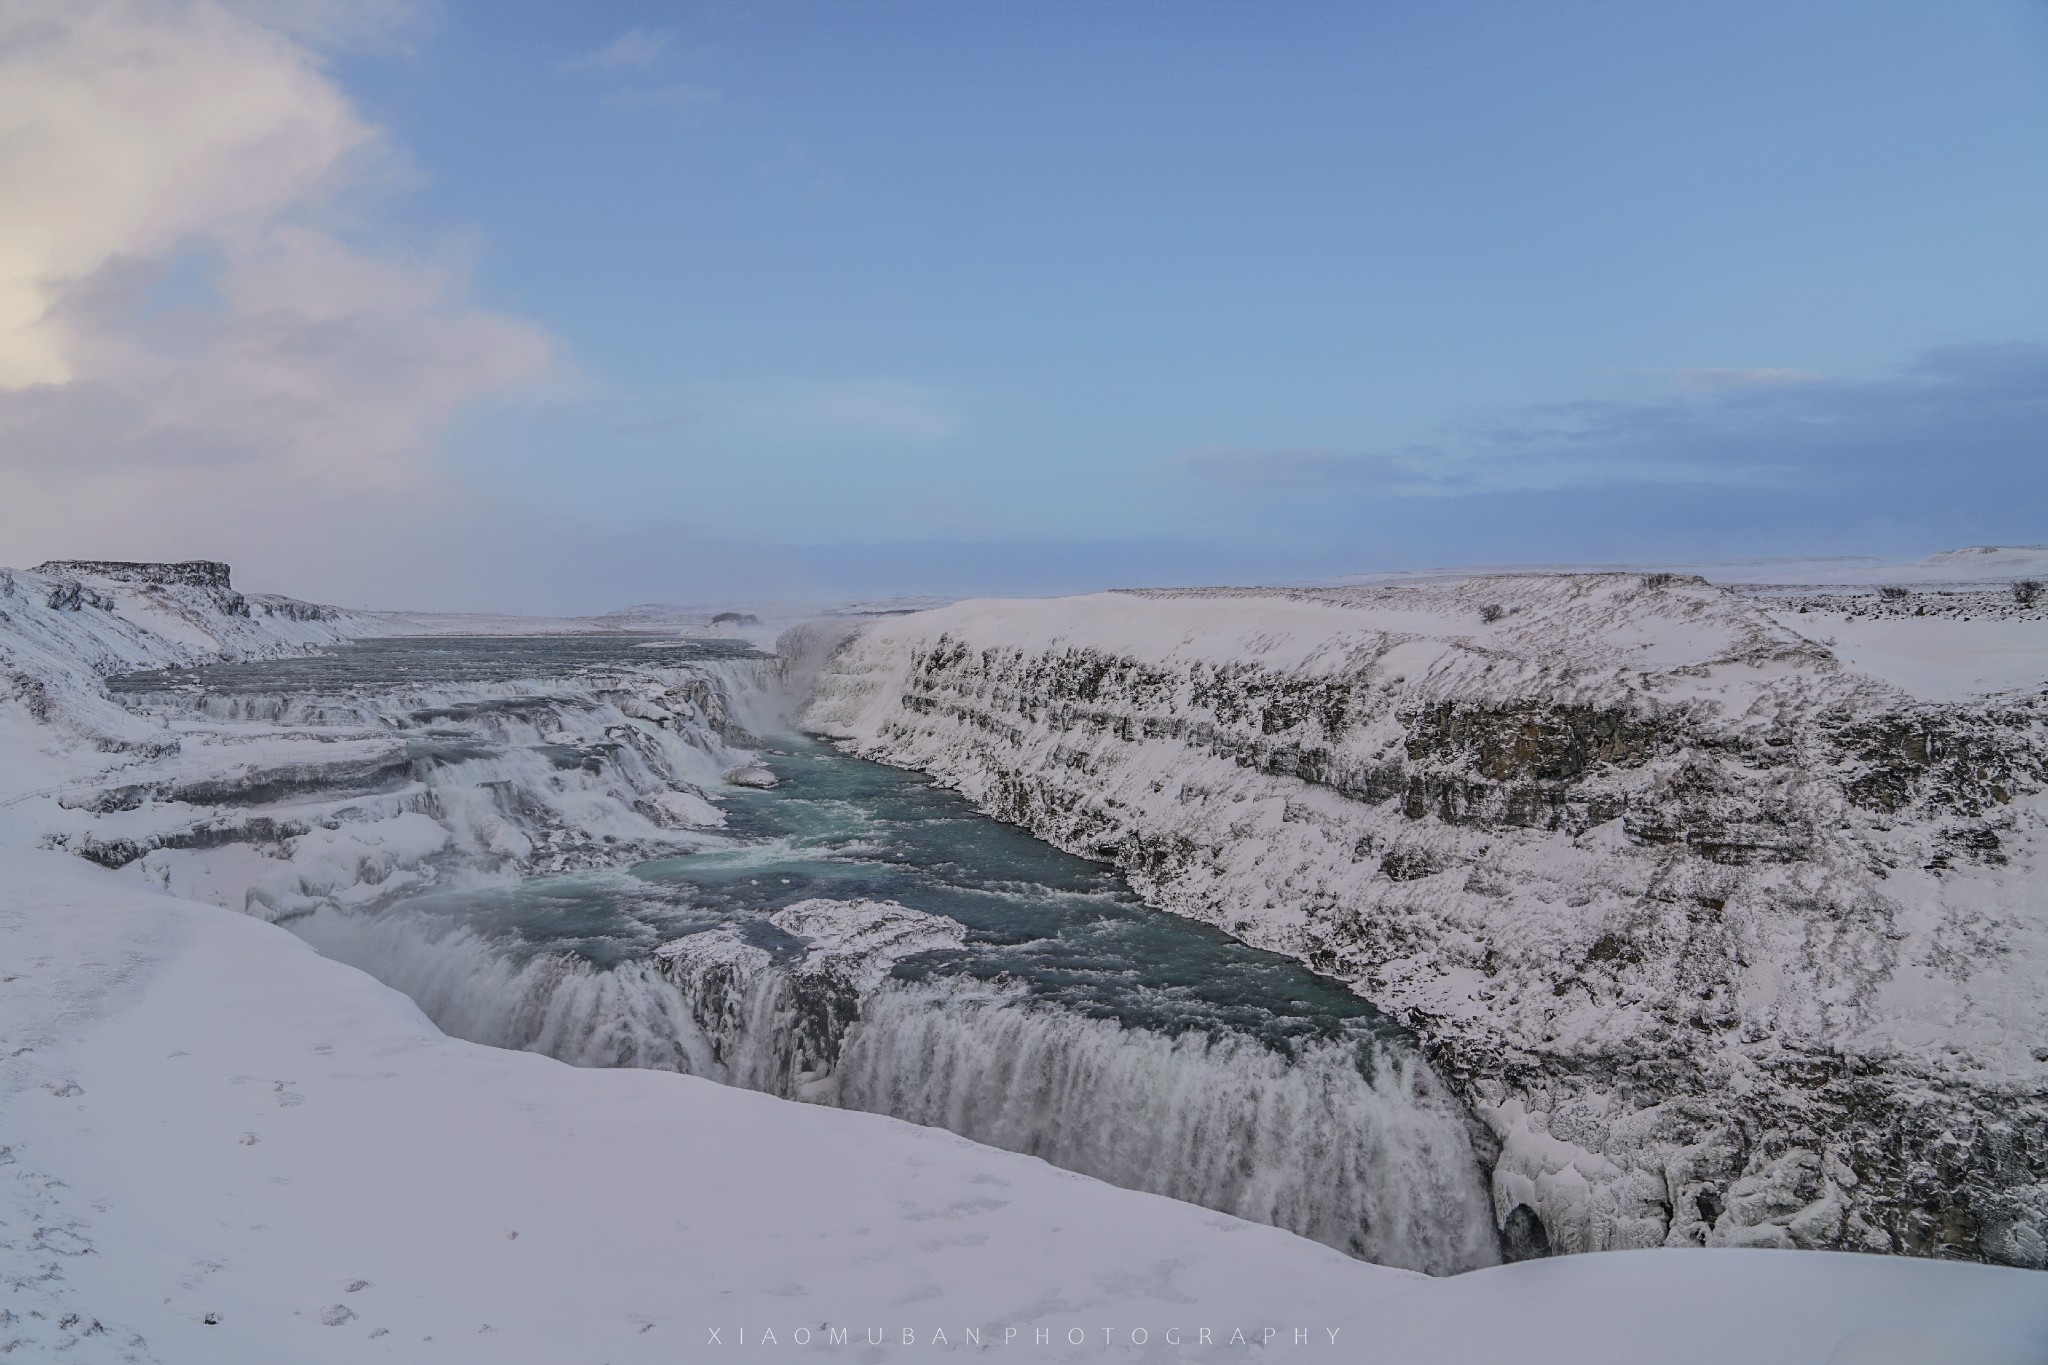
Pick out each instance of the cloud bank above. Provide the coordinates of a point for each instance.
(196, 355)
(1958, 413)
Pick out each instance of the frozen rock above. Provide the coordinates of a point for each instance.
(750, 775)
(280, 802)
(862, 940)
(687, 810)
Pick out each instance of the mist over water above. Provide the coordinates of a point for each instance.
(1071, 1022)
(415, 661)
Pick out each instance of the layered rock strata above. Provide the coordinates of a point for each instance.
(1728, 942)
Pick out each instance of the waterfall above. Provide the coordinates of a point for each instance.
(1372, 1160)
(1346, 1138)
(1350, 1141)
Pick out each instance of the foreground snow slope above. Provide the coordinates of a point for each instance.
(206, 1118)
(1731, 941)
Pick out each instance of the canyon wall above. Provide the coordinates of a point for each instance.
(1728, 941)
(321, 793)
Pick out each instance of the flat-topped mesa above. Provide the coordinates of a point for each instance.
(195, 573)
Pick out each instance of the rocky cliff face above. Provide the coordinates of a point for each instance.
(1729, 943)
(187, 573)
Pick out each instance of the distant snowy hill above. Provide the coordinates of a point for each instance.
(759, 621)
(1979, 566)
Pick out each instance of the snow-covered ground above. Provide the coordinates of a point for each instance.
(216, 1145)
(1975, 566)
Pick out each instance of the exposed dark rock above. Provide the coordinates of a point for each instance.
(291, 609)
(1966, 760)
(259, 786)
(191, 573)
(68, 594)
(116, 853)
(1522, 1237)
(1410, 864)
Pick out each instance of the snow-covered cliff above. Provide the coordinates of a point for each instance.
(66, 624)
(278, 801)
(1731, 942)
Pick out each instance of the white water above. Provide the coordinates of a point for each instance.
(1378, 1166)
(551, 1003)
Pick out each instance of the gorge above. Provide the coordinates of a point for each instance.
(531, 838)
(1442, 924)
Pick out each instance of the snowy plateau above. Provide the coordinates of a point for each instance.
(1715, 910)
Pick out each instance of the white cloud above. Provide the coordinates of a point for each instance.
(138, 137)
(640, 50)
(127, 129)
(639, 47)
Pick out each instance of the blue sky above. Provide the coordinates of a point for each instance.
(1024, 295)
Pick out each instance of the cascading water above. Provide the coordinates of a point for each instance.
(1371, 1161)
(1349, 1141)
(863, 939)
